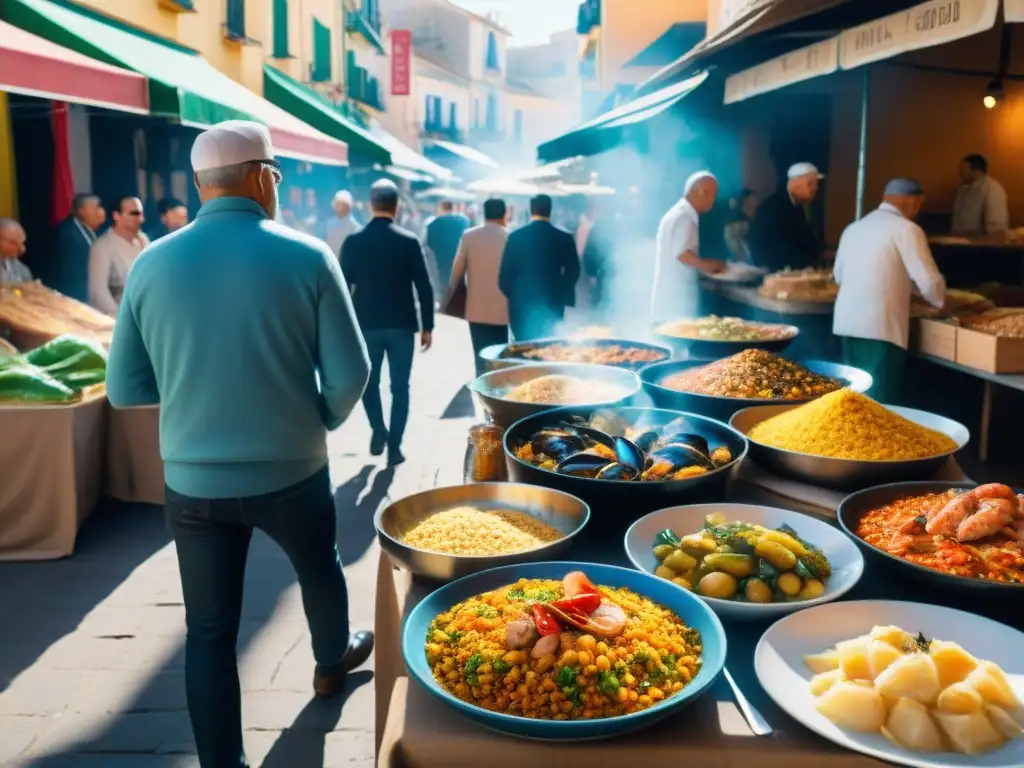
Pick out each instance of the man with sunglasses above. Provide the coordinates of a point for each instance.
(114, 252)
(243, 331)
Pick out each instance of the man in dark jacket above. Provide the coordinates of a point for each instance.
(382, 264)
(69, 271)
(782, 234)
(443, 235)
(539, 270)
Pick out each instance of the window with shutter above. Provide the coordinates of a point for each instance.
(492, 112)
(320, 71)
(280, 50)
(453, 122)
(492, 52)
(234, 25)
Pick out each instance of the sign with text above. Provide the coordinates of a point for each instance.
(802, 64)
(401, 62)
(925, 25)
(1013, 10)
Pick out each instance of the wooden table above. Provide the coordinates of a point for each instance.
(1011, 380)
(414, 730)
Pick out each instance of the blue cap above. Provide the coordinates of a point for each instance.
(908, 187)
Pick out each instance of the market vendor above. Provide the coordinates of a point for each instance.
(113, 253)
(980, 206)
(782, 234)
(12, 248)
(881, 258)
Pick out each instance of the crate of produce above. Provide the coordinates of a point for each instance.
(993, 342)
(936, 338)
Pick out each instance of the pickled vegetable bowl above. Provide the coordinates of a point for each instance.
(562, 650)
(743, 562)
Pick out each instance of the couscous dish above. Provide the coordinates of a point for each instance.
(472, 531)
(562, 650)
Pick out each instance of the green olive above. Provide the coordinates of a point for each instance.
(719, 585)
(758, 592)
(663, 550)
(789, 584)
(680, 561)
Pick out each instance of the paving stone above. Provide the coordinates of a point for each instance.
(41, 692)
(80, 652)
(18, 734)
(117, 691)
(113, 733)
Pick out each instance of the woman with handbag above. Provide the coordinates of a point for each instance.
(473, 290)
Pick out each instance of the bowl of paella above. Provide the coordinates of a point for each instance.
(712, 337)
(618, 353)
(956, 536)
(563, 651)
(624, 461)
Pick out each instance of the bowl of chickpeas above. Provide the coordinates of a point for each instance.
(746, 561)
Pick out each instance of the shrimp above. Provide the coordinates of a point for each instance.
(944, 521)
(994, 491)
(991, 516)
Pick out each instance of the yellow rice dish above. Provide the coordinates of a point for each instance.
(628, 654)
(849, 425)
(472, 531)
(556, 389)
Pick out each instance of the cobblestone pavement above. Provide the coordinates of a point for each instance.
(92, 647)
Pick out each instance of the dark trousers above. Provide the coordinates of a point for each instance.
(485, 335)
(883, 360)
(212, 539)
(398, 345)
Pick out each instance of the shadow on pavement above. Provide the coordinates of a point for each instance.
(460, 406)
(42, 602)
(355, 515)
(303, 743)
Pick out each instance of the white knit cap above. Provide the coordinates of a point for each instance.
(804, 169)
(231, 143)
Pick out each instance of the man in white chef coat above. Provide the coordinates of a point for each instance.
(676, 291)
(881, 259)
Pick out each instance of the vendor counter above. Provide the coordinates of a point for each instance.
(969, 261)
(814, 319)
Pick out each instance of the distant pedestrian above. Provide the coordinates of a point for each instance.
(539, 270)
(242, 331)
(384, 264)
(443, 235)
(343, 224)
(172, 215)
(12, 248)
(114, 252)
(477, 265)
(69, 271)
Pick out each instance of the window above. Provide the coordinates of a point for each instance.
(320, 69)
(281, 29)
(476, 112)
(432, 121)
(517, 125)
(234, 25)
(453, 122)
(492, 112)
(493, 62)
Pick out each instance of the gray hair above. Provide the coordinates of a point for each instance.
(384, 196)
(343, 196)
(225, 177)
(9, 225)
(82, 199)
(697, 178)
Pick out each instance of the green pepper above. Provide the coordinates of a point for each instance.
(608, 683)
(669, 660)
(767, 573)
(26, 383)
(667, 537)
(573, 694)
(566, 677)
(69, 352)
(501, 666)
(472, 665)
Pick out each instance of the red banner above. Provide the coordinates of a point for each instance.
(401, 61)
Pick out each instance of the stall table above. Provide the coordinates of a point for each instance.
(968, 261)
(1011, 380)
(414, 730)
(134, 470)
(51, 464)
(814, 319)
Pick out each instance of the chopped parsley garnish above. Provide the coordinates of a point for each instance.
(486, 612)
(472, 665)
(454, 636)
(641, 657)
(566, 677)
(923, 643)
(531, 595)
(608, 683)
(501, 666)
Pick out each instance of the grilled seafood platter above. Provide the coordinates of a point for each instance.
(605, 448)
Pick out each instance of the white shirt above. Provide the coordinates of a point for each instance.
(676, 291)
(110, 258)
(981, 207)
(880, 259)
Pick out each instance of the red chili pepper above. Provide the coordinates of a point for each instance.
(546, 623)
(585, 603)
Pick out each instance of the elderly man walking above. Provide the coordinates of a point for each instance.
(228, 325)
(343, 224)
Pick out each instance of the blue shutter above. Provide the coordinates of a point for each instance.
(492, 52)
(321, 70)
(281, 29)
(234, 24)
(492, 112)
(453, 122)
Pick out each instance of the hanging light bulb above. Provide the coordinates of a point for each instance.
(994, 94)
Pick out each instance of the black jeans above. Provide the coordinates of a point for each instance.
(398, 345)
(212, 539)
(484, 335)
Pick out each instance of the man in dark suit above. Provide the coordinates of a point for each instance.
(68, 272)
(383, 263)
(443, 236)
(539, 270)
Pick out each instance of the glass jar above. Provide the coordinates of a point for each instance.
(485, 455)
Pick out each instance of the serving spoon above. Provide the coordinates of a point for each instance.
(757, 723)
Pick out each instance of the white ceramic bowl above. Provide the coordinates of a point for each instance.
(844, 556)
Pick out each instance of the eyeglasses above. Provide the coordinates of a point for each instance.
(274, 171)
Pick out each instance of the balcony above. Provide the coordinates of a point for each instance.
(363, 87)
(436, 130)
(366, 22)
(588, 16)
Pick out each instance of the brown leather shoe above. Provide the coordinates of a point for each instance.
(360, 646)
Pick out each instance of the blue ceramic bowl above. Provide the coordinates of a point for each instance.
(686, 606)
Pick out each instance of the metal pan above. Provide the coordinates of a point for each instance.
(507, 355)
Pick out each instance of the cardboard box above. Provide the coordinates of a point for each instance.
(986, 352)
(937, 338)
